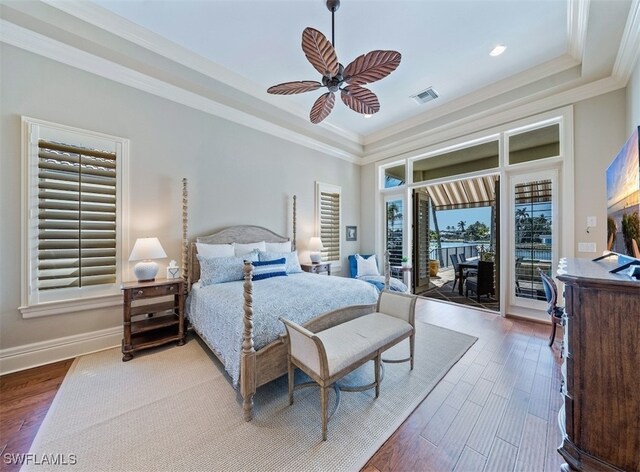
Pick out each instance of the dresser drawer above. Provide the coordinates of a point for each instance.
(148, 292)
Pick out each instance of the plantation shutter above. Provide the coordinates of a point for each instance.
(330, 225)
(76, 216)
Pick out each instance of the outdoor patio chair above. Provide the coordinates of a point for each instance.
(455, 262)
(482, 282)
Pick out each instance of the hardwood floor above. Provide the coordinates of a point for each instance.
(495, 410)
(25, 398)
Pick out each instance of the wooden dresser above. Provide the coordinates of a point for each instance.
(600, 420)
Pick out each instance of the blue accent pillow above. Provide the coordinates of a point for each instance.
(216, 270)
(353, 265)
(267, 269)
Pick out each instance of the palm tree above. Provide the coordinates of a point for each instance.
(462, 225)
(393, 213)
(521, 216)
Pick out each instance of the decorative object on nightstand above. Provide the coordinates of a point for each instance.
(317, 268)
(173, 271)
(144, 250)
(152, 324)
(315, 246)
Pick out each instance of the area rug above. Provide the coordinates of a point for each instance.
(175, 409)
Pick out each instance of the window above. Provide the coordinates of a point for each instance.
(74, 216)
(394, 176)
(458, 162)
(328, 218)
(533, 223)
(539, 143)
(395, 229)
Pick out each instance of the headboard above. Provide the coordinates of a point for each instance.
(235, 234)
(242, 234)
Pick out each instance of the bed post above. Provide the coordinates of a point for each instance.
(387, 270)
(248, 355)
(185, 242)
(293, 243)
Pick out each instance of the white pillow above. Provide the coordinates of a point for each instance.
(278, 247)
(367, 266)
(242, 249)
(215, 250)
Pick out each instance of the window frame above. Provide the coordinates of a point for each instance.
(34, 303)
(329, 188)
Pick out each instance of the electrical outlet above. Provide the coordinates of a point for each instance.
(586, 247)
(592, 221)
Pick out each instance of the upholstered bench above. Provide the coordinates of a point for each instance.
(329, 355)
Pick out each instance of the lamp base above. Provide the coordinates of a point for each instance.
(146, 271)
(316, 257)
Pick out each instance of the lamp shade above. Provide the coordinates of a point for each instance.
(315, 244)
(146, 249)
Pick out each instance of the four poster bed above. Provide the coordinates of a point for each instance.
(238, 320)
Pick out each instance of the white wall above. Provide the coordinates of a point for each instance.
(633, 99)
(236, 175)
(599, 133)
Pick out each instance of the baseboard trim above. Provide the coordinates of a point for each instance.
(19, 358)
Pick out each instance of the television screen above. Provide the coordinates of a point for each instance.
(623, 199)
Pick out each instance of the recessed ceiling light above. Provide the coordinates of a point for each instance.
(367, 116)
(499, 49)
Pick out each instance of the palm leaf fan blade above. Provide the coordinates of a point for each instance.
(360, 99)
(373, 66)
(320, 52)
(322, 107)
(291, 88)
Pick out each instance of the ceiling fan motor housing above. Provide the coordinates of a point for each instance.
(333, 5)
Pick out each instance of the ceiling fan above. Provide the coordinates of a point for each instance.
(321, 53)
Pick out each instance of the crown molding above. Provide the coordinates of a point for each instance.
(554, 66)
(577, 22)
(31, 41)
(106, 20)
(629, 49)
(493, 117)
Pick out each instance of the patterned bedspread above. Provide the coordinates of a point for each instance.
(216, 311)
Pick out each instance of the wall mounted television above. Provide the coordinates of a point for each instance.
(623, 199)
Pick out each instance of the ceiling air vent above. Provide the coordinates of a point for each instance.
(426, 95)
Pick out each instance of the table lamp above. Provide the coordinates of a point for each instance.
(315, 246)
(144, 250)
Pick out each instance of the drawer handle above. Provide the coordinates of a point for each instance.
(140, 292)
(171, 288)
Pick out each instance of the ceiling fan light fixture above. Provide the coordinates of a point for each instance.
(499, 49)
(365, 69)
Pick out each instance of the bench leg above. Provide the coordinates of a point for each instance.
(412, 348)
(291, 379)
(376, 364)
(324, 398)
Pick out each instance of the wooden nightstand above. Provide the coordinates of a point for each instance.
(317, 268)
(147, 324)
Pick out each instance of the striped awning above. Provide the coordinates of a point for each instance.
(468, 193)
